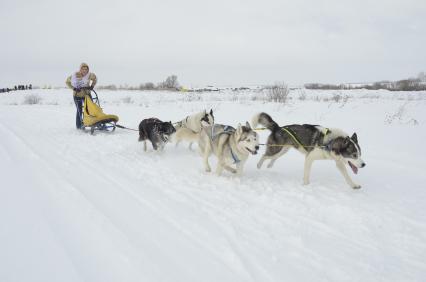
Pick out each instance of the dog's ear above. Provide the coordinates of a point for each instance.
(354, 137)
(239, 129)
(248, 125)
(211, 111)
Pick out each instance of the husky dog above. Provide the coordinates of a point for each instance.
(189, 128)
(316, 142)
(156, 131)
(230, 145)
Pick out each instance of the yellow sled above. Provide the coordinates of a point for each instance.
(94, 118)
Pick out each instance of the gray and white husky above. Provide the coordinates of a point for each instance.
(231, 146)
(316, 142)
(190, 127)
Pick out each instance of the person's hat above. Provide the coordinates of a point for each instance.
(84, 65)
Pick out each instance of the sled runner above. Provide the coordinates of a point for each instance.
(93, 116)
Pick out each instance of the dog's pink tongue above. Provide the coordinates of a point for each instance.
(354, 168)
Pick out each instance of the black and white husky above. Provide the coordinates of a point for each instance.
(316, 142)
(231, 146)
(190, 127)
(156, 131)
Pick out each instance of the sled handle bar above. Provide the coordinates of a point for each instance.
(96, 99)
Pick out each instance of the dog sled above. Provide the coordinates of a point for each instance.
(93, 116)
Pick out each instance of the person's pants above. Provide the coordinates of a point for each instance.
(79, 115)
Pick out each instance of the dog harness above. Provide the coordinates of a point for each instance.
(327, 146)
(295, 139)
(226, 130)
(234, 157)
(291, 133)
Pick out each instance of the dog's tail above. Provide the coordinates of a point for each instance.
(265, 120)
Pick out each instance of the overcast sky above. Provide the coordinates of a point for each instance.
(220, 42)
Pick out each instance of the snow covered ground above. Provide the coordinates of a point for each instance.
(76, 207)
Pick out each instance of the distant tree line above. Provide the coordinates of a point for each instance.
(170, 83)
(16, 88)
(410, 84)
(323, 86)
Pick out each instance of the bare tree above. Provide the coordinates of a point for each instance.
(170, 83)
(149, 86)
(278, 92)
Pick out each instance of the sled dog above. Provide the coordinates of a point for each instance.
(156, 131)
(231, 146)
(189, 128)
(315, 142)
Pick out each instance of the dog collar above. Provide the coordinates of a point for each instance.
(328, 146)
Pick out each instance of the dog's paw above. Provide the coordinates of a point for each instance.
(270, 165)
(356, 186)
(306, 182)
(259, 165)
(208, 169)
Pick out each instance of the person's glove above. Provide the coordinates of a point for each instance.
(76, 89)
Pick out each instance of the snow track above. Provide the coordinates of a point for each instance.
(76, 207)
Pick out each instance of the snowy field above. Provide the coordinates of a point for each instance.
(76, 207)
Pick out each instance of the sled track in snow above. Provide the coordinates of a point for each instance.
(108, 205)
